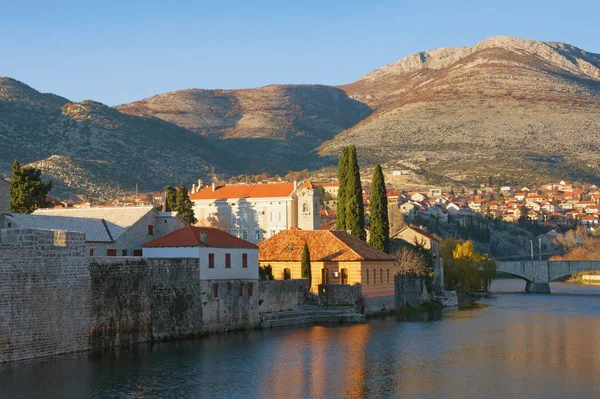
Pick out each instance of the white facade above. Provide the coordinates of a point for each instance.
(219, 271)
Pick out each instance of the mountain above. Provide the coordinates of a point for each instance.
(287, 121)
(90, 149)
(510, 107)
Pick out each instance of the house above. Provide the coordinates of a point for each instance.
(435, 192)
(222, 255)
(108, 231)
(4, 200)
(402, 172)
(330, 188)
(506, 190)
(255, 211)
(418, 236)
(589, 220)
(336, 258)
(418, 197)
(410, 209)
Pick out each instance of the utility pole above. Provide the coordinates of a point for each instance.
(531, 241)
(540, 247)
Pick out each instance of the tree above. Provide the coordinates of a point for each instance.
(183, 205)
(523, 211)
(396, 219)
(340, 222)
(409, 263)
(171, 197)
(27, 192)
(355, 212)
(305, 268)
(380, 228)
(466, 268)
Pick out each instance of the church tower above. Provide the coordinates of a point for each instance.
(309, 216)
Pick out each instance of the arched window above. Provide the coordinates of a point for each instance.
(305, 207)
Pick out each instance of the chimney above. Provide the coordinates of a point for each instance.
(200, 184)
(213, 186)
(203, 237)
(193, 189)
(295, 184)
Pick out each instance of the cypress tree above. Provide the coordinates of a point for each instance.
(171, 197)
(340, 222)
(355, 211)
(184, 205)
(380, 227)
(27, 192)
(305, 268)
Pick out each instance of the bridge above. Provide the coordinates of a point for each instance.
(539, 274)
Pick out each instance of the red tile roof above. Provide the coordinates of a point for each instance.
(245, 191)
(324, 245)
(190, 237)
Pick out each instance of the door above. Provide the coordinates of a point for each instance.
(344, 277)
(324, 275)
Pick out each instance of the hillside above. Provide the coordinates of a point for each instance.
(87, 147)
(287, 121)
(518, 108)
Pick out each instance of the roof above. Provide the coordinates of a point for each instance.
(190, 237)
(418, 231)
(245, 191)
(324, 245)
(98, 224)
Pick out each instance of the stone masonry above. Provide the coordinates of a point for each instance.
(4, 199)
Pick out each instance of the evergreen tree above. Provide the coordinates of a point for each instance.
(340, 222)
(171, 197)
(380, 228)
(27, 192)
(305, 268)
(183, 205)
(355, 212)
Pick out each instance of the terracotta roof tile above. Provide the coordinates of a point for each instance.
(190, 237)
(324, 245)
(245, 191)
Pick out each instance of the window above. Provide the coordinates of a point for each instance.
(244, 216)
(91, 251)
(111, 252)
(380, 276)
(388, 276)
(374, 276)
(305, 208)
(280, 216)
(137, 252)
(244, 260)
(150, 230)
(250, 289)
(215, 290)
(257, 235)
(241, 289)
(270, 216)
(367, 275)
(234, 232)
(123, 252)
(233, 219)
(273, 232)
(287, 274)
(211, 261)
(228, 261)
(244, 234)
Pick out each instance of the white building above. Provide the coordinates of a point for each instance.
(253, 212)
(222, 256)
(108, 231)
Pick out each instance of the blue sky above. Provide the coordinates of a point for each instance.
(121, 51)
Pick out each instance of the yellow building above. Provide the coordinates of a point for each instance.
(336, 258)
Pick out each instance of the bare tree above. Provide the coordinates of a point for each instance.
(409, 263)
(396, 219)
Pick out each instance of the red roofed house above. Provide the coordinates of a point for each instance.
(255, 211)
(222, 256)
(336, 258)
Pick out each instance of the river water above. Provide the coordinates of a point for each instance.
(514, 345)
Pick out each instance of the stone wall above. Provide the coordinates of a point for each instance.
(233, 308)
(340, 295)
(44, 294)
(410, 293)
(143, 299)
(278, 295)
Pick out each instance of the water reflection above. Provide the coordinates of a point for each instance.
(521, 345)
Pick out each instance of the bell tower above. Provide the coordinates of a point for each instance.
(309, 217)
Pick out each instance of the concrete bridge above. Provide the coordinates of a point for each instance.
(539, 273)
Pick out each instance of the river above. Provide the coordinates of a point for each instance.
(514, 345)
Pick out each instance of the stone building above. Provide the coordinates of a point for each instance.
(108, 231)
(336, 258)
(255, 211)
(4, 200)
(222, 255)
